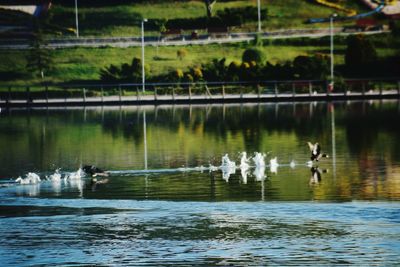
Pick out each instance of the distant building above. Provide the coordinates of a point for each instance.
(32, 7)
(391, 8)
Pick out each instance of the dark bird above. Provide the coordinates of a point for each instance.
(94, 171)
(316, 152)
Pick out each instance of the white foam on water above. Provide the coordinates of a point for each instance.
(213, 168)
(75, 175)
(55, 177)
(259, 159)
(292, 164)
(30, 178)
(273, 165)
(259, 173)
(228, 167)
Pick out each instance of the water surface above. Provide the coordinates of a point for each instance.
(178, 212)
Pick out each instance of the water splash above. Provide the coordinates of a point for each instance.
(55, 177)
(244, 167)
(292, 164)
(228, 167)
(259, 159)
(273, 165)
(30, 178)
(259, 173)
(244, 161)
(75, 175)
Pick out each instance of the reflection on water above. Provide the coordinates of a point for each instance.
(364, 163)
(202, 185)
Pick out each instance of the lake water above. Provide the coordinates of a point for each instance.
(168, 201)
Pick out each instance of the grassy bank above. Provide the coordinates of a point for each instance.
(79, 64)
(84, 64)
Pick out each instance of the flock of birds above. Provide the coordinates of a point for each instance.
(227, 167)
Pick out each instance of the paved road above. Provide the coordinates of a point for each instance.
(176, 40)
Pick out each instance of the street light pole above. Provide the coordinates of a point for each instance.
(76, 18)
(259, 15)
(331, 85)
(143, 74)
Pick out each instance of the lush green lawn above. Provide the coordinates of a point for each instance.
(80, 64)
(85, 63)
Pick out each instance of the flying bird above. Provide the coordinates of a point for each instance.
(316, 152)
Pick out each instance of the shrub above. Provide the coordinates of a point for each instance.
(179, 74)
(198, 74)
(181, 53)
(315, 67)
(360, 54)
(253, 54)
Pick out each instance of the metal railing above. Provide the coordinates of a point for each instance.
(132, 92)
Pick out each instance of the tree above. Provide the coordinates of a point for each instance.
(127, 72)
(110, 74)
(307, 68)
(360, 54)
(181, 53)
(209, 6)
(216, 70)
(39, 59)
(253, 54)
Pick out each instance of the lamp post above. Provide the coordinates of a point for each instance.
(331, 84)
(143, 74)
(76, 18)
(259, 15)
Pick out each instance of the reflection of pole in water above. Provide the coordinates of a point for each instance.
(333, 128)
(276, 110)
(262, 190)
(363, 107)
(146, 186)
(398, 106)
(84, 114)
(145, 139)
(223, 112)
(102, 114)
(294, 108)
(156, 113)
(208, 111)
(190, 112)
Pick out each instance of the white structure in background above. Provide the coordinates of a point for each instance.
(33, 9)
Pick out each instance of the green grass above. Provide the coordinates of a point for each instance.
(76, 65)
(79, 64)
(124, 20)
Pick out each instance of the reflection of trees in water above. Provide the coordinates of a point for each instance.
(368, 126)
(250, 121)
